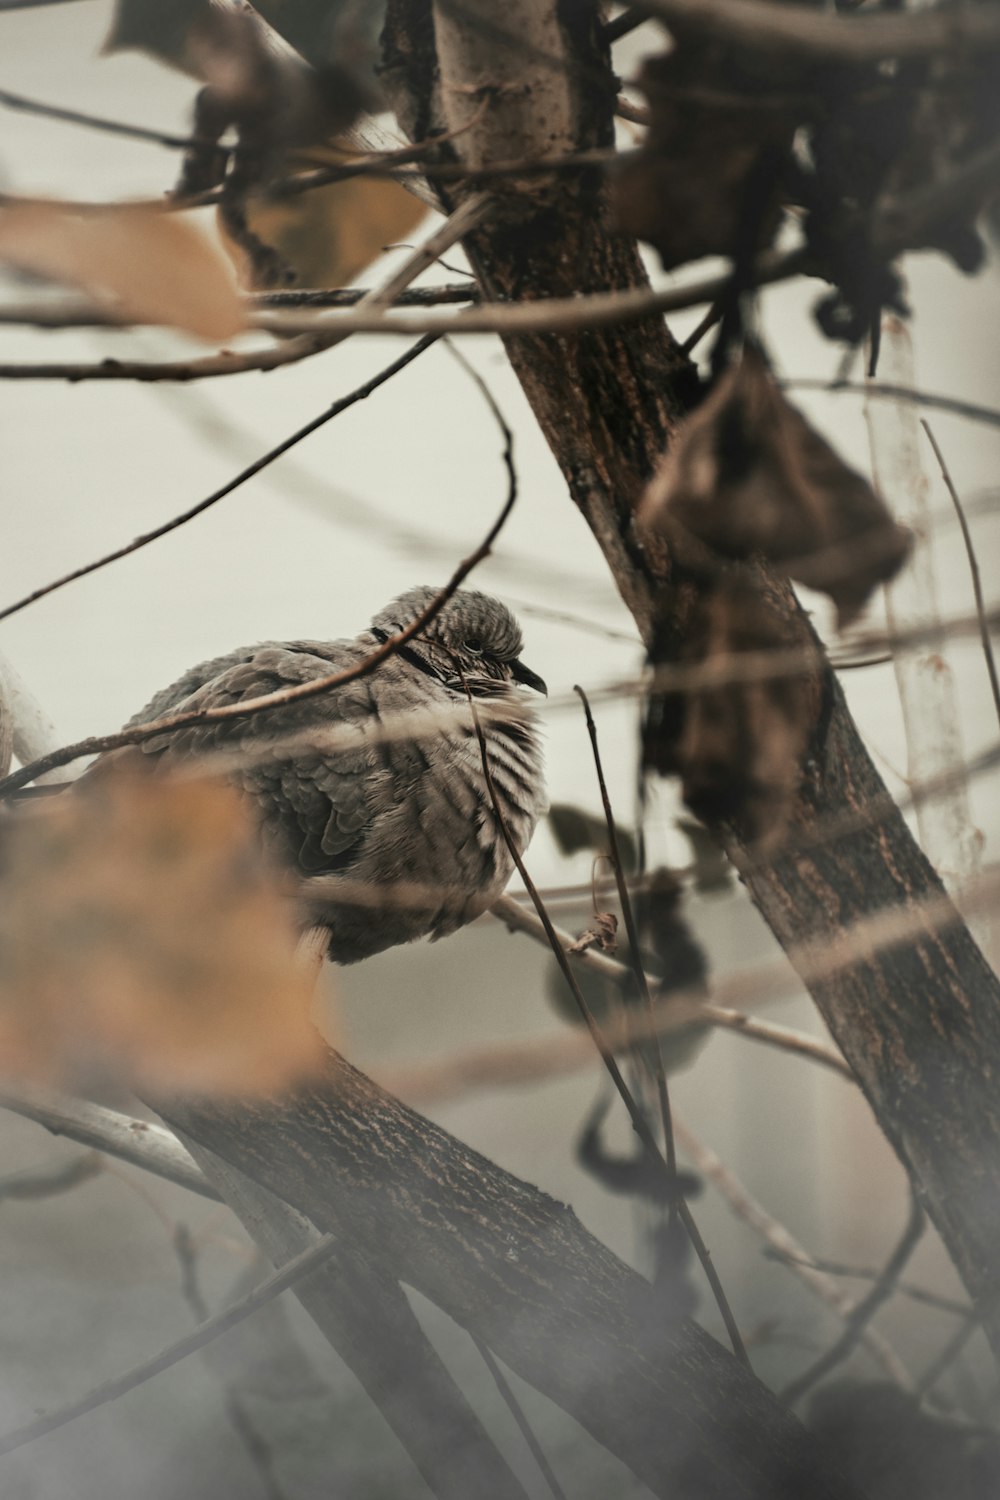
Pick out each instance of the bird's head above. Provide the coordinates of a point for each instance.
(473, 640)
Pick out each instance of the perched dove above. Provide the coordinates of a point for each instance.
(374, 792)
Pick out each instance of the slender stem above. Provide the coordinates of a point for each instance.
(635, 954)
(862, 1314)
(212, 1328)
(259, 464)
(99, 122)
(780, 1240)
(137, 1142)
(970, 552)
(639, 1121)
(971, 409)
(138, 733)
(517, 1411)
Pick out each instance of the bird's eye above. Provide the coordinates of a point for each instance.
(472, 648)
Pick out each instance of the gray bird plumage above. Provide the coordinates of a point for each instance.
(389, 822)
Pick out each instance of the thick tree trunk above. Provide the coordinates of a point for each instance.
(519, 1271)
(920, 1024)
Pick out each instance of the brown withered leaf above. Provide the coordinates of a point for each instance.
(748, 475)
(145, 264)
(738, 736)
(328, 236)
(707, 180)
(143, 934)
(602, 933)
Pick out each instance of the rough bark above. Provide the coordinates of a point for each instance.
(519, 1271)
(919, 1024)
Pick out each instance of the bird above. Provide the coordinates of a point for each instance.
(373, 793)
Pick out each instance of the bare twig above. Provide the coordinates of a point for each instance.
(212, 1328)
(946, 1357)
(137, 1142)
(880, 390)
(98, 122)
(625, 22)
(862, 1314)
(866, 1273)
(242, 1423)
(635, 953)
(341, 405)
(141, 732)
(638, 1119)
(779, 1239)
(516, 1410)
(925, 684)
(551, 315)
(468, 216)
(970, 552)
(636, 114)
(80, 312)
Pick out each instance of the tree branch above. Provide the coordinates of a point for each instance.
(920, 1022)
(520, 1273)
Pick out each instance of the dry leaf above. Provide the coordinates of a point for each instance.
(146, 264)
(747, 474)
(143, 932)
(328, 236)
(602, 933)
(737, 740)
(707, 180)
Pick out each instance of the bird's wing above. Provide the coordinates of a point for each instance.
(315, 799)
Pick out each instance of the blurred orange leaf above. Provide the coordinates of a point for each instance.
(142, 932)
(329, 235)
(147, 264)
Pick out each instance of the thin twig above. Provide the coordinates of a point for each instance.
(80, 312)
(625, 22)
(866, 1273)
(635, 114)
(258, 1451)
(212, 1328)
(517, 1411)
(139, 733)
(947, 1356)
(862, 1314)
(547, 315)
(290, 350)
(137, 1142)
(638, 1119)
(970, 552)
(635, 955)
(99, 122)
(971, 409)
(775, 1235)
(341, 405)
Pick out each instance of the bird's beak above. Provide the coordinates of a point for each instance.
(525, 675)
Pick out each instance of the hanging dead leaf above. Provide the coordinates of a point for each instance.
(708, 178)
(602, 933)
(748, 475)
(737, 737)
(328, 236)
(145, 264)
(142, 932)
